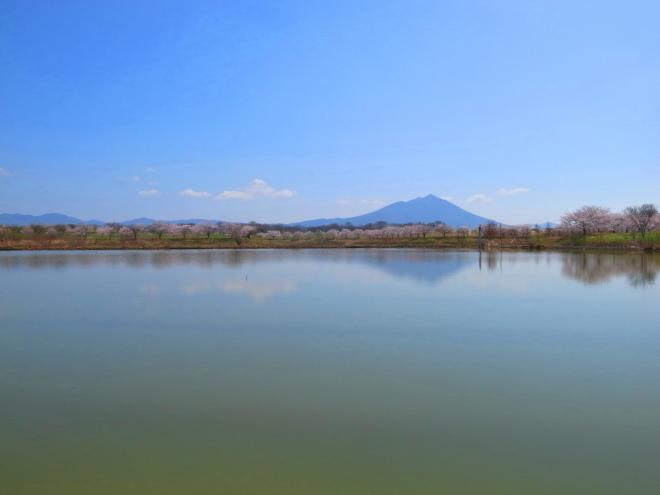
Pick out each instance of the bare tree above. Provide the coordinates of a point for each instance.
(641, 217)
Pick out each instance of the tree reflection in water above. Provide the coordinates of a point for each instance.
(424, 265)
(597, 268)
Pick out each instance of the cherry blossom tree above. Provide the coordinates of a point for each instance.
(135, 230)
(105, 231)
(186, 230)
(174, 230)
(246, 231)
(38, 229)
(82, 231)
(655, 223)
(158, 229)
(618, 222)
(586, 220)
(443, 229)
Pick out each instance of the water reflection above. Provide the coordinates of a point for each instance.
(357, 371)
(421, 265)
(597, 268)
(258, 291)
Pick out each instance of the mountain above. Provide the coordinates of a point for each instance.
(151, 221)
(139, 221)
(47, 219)
(58, 218)
(419, 210)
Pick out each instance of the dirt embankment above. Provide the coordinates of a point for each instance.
(31, 244)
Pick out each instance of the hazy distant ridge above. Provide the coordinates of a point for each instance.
(419, 210)
(47, 219)
(58, 218)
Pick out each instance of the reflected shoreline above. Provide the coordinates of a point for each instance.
(587, 267)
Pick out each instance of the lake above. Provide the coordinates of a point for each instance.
(329, 372)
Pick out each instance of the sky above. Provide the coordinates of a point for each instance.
(288, 110)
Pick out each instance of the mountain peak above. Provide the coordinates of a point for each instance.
(426, 209)
(429, 198)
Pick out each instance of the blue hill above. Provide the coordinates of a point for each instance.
(47, 219)
(58, 218)
(419, 210)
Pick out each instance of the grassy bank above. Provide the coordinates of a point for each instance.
(146, 241)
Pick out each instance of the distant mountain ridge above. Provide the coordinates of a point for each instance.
(151, 221)
(18, 219)
(425, 209)
(46, 219)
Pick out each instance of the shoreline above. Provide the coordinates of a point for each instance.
(435, 244)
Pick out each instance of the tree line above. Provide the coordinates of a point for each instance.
(587, 220)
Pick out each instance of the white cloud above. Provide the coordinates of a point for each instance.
(136, 178)
(4, 172)
(191, 193)
(512, 191)
(257, 189)
(479, 198)
(150, 170)
(149, 192)
(343, 202)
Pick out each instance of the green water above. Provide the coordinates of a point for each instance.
(329, 372)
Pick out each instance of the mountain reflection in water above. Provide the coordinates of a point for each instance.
(422, 265)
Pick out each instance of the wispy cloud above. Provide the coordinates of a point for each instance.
(150, 170)
(4, 172)
(191, 193)
(258, 188)
(512, 191)
(479, 198)
(136, 178)
(149, 192)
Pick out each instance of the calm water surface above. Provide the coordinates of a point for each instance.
(329, 372)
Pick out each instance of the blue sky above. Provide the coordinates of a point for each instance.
(287, 110)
